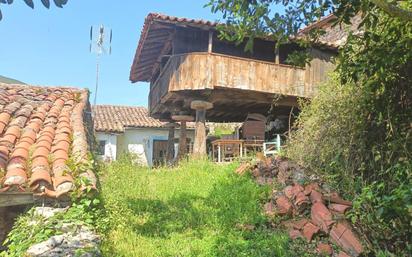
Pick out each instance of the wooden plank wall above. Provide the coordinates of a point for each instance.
(187, 40)
(318, 69)
(198, 71)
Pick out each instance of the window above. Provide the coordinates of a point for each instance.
(101, 147)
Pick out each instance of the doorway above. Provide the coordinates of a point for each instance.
(159, 152)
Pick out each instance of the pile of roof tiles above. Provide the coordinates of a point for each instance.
(41, 129)
(310, 211)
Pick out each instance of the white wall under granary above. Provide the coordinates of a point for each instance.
(138, 141)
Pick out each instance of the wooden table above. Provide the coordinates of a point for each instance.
(227, 148)
(232, 148)
(253, 146)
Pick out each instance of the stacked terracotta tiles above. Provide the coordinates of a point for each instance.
(41, 131)
(309, 209)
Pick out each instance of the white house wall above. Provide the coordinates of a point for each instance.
(110, 149)
(139, 141)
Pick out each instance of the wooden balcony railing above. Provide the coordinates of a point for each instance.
(199, 71)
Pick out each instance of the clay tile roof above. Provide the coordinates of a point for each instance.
(334, 36)
(42, 129)
(111, 118)
(196, 22)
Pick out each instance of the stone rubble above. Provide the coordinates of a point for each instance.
(311, 210)
(75, 240)
(48, 212)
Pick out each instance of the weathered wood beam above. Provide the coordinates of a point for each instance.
(15, 198)
(277, 59)
(170, 153)
(210, 44)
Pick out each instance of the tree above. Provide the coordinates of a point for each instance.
(247, 19)
(394, 9)
(30, 3)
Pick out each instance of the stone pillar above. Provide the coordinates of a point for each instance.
(170, 154)
(199, 145)
(181, 153)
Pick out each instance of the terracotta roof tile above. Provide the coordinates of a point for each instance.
(40, 129)
(110, 118)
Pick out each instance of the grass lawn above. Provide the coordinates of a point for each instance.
(197, 209)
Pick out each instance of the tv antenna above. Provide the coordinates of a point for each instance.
(100, 44)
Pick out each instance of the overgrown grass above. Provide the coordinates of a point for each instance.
(197, 209)
(223, 129)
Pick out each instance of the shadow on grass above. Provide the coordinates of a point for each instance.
(231, 203)
(167, 217)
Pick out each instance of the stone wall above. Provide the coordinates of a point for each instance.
(7, 217)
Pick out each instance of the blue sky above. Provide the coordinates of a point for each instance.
(51, 47)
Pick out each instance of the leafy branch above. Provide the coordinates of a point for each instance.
(393, 9)
(30, 3)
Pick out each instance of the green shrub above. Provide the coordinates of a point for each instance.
(223, 129)
(356, 133)
(30, 229)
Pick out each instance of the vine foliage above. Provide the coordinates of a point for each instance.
(357, 132)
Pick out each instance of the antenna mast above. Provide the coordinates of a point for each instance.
(98, 45)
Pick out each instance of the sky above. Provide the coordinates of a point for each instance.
(51, 46)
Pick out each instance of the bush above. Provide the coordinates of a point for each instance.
(356, 133)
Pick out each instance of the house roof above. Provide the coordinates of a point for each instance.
(321, 23)
(334, 36)
(114, 118)
(43, 138)
(157, 31)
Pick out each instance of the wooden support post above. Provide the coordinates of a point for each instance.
(219, 153)
(181, 153)
(210, 44)
(199, 145)
(182, 141)
(170, 153)
(213, 152)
